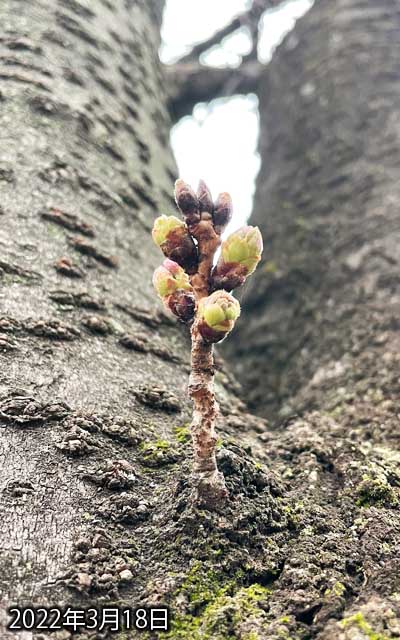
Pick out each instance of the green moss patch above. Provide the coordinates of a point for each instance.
(217, 607)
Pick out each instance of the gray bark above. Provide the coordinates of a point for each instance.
(83, 131)
(326, 203)
(93, 410)
(320, 331)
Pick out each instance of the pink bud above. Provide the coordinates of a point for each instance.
(172, 266)
(170, 277)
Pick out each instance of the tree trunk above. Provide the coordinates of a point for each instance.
(94, 413)
(320, 330)
(326, 203)
(95, 503)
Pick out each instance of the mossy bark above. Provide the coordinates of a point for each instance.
(95, 494)
(94, 375)
(317, 347)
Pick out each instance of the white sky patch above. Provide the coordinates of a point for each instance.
(276, 23)
(218, 143)
(225, 157)
(189, 21)
(230, 53)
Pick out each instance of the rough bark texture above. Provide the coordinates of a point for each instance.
(84, 167)
(321, 329)
(94, 417)
(94, 413)
(326, 201)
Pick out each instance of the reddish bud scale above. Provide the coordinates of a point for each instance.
(228, 276)
(182, 304)
(187, 202)
(204, 197)
(180, 248)
(222, 212)
(209, 334)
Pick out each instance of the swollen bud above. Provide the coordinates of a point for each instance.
(163, 226)
(217, 314)
(222, 212)
(169, 278)
(174, 240)
(240, 254)
(173, 286)
(187, 202)
(204, 197)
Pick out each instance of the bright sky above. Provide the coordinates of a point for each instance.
(225, 131)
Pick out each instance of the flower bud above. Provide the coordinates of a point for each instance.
(204, 197)
(240, 254)
(217, 314)
(163, 226)
(222, 212)
(169, 278)
(182, 304)
(187, 202)
(173, 286)
(174, 240)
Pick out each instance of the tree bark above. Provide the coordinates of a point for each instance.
(94, 414)
(326, 203)
(85, 165)
(318, 343)
(95, 501)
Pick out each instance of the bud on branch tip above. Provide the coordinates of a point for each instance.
(175, 241)
(163, 227)
(222, 212)
(173, 286)
(217, 314)
(169, 278)
(187, 202)
(245, 247)
(204, 197)
(240, 255)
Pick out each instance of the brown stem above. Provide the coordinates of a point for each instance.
(210, 483)
(208, 242)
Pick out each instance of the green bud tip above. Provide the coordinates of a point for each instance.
(244, 247)
(163, 225)
(170, 277)
(219, 311)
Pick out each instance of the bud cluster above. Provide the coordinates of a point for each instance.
(197, 292)
(197, 207)
(184, 244)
